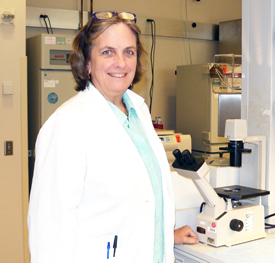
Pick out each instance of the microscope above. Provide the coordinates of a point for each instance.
(232, 214)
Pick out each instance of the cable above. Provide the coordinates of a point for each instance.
(269, 226)
(221, 78)
(202, 205)
(44, 18)
(50, 24)
(81, 13)
(187, 33)
(152, 59)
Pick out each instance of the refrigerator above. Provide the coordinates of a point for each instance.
(50, 82)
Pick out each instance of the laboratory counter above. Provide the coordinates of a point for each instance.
(260, 251)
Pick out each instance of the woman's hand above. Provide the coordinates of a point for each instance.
(185, 235)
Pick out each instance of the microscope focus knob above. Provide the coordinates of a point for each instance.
(236, 225)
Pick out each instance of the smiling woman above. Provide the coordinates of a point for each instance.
(102, 183)
(113, 62)
(88, 35)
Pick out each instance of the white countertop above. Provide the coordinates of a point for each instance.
(258, 251)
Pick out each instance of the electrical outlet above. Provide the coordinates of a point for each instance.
(8, 147)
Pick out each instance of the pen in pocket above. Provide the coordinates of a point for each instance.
(108, 249)
(115, 246)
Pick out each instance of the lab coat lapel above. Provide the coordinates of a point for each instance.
(154, 140)
(118, 138)
(169, 204)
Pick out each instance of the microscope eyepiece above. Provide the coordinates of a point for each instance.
(185, 160)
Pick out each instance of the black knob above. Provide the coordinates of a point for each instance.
(236, 225)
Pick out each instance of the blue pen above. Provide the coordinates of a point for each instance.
(108, 249)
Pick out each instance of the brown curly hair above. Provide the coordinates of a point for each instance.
(83, 44)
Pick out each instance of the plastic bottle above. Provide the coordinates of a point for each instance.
(160, 125)
(156, 123)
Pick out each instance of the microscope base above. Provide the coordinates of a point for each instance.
(248, 222)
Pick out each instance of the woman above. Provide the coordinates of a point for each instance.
(102, 189)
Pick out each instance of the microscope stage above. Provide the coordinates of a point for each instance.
(237, 192)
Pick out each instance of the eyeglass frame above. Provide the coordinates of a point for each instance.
(113, 13)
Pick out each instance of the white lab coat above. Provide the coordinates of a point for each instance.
(91, 184)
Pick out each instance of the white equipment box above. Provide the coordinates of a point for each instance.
(50, 81)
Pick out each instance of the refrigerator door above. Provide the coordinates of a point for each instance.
(56, 88)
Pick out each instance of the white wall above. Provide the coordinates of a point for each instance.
(53, 4)
(13, 125)
(67, 4)
(258, 98)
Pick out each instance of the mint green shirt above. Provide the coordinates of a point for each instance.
(133, 127)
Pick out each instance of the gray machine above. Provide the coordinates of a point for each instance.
(50, 81)
(204, 101)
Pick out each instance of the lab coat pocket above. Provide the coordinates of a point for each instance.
(116, 251)
(115, 255)
(101, 251)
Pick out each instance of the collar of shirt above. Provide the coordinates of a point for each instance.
(122, 117)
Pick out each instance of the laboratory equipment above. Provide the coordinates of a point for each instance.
(238, 219)
(171, 140)
(50, 81)
(235, 145)
(205, 100)
(187, 198)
